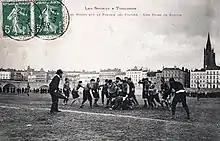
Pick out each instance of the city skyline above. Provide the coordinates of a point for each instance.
(138, 68)
(94, 43)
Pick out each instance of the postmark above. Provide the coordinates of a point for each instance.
(18, 20)
(55, 17)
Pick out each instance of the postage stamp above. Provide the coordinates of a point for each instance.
(16, 20)
(53, 21)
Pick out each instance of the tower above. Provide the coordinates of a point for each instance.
(209, 55)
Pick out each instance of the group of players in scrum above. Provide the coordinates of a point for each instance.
(120, 94)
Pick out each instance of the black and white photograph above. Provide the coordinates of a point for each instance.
(109, 70)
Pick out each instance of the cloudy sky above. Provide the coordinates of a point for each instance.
(93, 43)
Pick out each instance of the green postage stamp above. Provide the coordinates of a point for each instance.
(16, 19)
(51, 16)
(23, 20)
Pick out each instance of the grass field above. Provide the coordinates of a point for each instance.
(26, 118)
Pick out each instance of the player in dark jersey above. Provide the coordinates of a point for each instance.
(165, 93)
(87, 93)
(132, 91)
(145, 94)
(95, 92)
(180, 96)
(104, 92)
(123, 102)
(113, 93)
(66, 90)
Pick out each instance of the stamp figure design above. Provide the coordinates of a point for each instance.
(55, 17)
(16, 19)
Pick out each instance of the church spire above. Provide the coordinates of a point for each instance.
(208, 44)
(209, 56)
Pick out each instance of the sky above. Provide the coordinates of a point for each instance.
(94, 43)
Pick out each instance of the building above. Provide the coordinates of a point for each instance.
(181, 75)
(32, 75)
(5, 75)
(208, 77)
(31, 78)
(19, 75)
(205, 79)
(41, 76)
(108, 74)
(187, 77)
(30, 71)
(209, 56)
(136, 75)
(198, 79)
(24, 74)
(213, 79)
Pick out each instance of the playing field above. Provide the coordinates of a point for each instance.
(24, 118)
